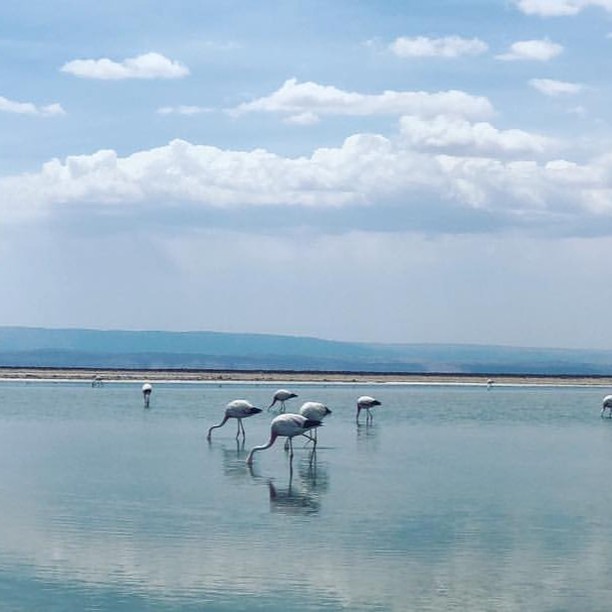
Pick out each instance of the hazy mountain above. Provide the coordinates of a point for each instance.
(40, 347)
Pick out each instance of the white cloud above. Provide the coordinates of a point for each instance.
(306, 118)
(296, 98)
(183, 110)
(535, 50)
(27, 108)
(447, 47)
(447, 165)
(146, 66)
(558, 8)
(458, 135)
(551, 87)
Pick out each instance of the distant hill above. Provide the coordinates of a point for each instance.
(85, 348)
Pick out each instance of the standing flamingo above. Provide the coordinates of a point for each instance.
(607, 403)
(282, 395)
(238, 409)
(365, 402)
(288, 426)
(314, 411)
(147, 389)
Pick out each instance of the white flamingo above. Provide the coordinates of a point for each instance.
(288, 426)
(238, 409)
(365, 402)
(147, 389)
(282, 395)
(607, 403)
(314, 411)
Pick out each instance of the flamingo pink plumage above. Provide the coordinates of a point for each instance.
(238, 409)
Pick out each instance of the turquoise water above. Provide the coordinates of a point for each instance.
(456, 498)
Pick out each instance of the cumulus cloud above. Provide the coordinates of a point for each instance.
(445, 165)
(446, 47)
(533, 50)
(146, 66)
(312, 100)
(27, 108)
(183, 110)
(550, 87)
(457, 135)
(559, 8)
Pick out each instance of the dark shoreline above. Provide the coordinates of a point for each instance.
(189, 375)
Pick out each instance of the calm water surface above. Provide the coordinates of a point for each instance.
(457, 498)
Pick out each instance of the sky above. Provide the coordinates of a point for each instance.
(391, 171)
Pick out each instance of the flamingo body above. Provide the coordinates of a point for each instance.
(607, 404)
(237, 409)
(365, 402)
(315, 411)
(147, 389)
(281, 396)
(287, 426)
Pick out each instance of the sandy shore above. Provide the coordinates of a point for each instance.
(287, 377)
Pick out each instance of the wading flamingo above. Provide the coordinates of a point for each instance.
(147, 389)
(365, 402)
(288, 426)
(314, 411)
(238, 409)
(607, 403)
(281, 396)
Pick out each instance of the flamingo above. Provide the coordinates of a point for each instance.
(238, 409)
(314, 411)
(288, 426)
(282, 395)
(365, 402)
(607, 403)
(147, 389)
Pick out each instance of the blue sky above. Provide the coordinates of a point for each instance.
(371, 171)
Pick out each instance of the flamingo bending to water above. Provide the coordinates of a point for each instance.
(314, 411)
(281, 396)
(607, 403)
(238, 409)
(365, 402)
(288, 426)
(147, 389)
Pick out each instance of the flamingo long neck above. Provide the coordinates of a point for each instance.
(221, 424)
(268, 444)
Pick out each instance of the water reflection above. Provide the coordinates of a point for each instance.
(367, 438)
(99, 512)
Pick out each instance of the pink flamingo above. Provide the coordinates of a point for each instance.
(282, 395)
(288, 426)
(238, 409)
(365, 402)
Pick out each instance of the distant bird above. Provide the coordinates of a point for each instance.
(282, 395)
(238, 409)
(314, 411)
(607, 403)
(97, 381)
(147, 389)
(288, 426)
(365, 402)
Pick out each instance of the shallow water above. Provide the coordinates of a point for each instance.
(457, 497)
